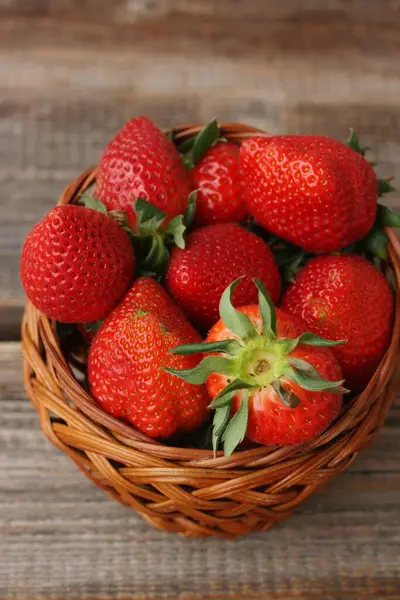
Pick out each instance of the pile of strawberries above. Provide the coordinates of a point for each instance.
(172, 265)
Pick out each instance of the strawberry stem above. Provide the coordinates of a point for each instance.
(254, 361)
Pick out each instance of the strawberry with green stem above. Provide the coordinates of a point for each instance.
(153, 235)
(214, 170)
(375, 243)
(268, 379)
(141, 162)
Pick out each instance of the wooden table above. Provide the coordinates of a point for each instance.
(71, 73)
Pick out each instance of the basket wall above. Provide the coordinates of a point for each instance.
(187, 490)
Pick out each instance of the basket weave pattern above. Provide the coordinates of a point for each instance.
(186, 490)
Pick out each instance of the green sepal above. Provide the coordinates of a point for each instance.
(235, 321)
(375, 243)
(204, 140)
(93, 325)
(176, 228)
(236, 429)
(267, 309)
(287, 398)
(90, 202)
(228, 392)
(312, 381)
(190, 209)
(354, 143)
(387, 217)
(155, 258)
(200, 373)
(316, 340)
(148, 217)
(310, 339)
(221, 420)
(384, 187)
(289, 271)
(227, 346)
(287, 345)
(186, 145)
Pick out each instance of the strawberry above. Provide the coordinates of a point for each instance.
(268, 379)
(310, 190)
(76, 264)
(125, 363)
(140, 161)
(217, 177)
(345, 297)
(214, 256)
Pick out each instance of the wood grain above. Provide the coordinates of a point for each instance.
(61, 537)
(86, 67)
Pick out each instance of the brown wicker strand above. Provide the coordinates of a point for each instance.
(186, 490)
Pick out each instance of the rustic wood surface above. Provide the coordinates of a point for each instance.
(61, 537)
(72, 71)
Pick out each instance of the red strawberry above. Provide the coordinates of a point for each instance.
(311, 190)
(140, 161)
(345, 297)
(126, 360)
(212, 258)
(76, 264)
(280, 387)
(217, 177)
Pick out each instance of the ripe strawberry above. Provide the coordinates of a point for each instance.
(310, 190)
(76, 264)
(125, 363)
(217, 177)
(280, 387)
(345, 297)
(140, 161)
(213, 257)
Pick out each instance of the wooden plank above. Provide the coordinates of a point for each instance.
(61, 537)
(318, 69)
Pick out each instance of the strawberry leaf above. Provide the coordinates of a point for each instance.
(267, 309)
(186, 145)
(204, 140)
(236, 321)
(149, 217)
(375, 243)
(228, 392)
(221, 420)
(287, 398)
(354, 143)
(176, 229)
(384, 187)
(387, 217)
(228, 346)
(200, 373)
(309, 379)
(316, 340)
(236, 429)
(90, 202)
(93, 325)
(190, 209)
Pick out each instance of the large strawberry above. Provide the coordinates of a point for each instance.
(141, 162)
(280, 384)
(311, 190)
(345, 297)
(213, 257)
(125, 363)
(217, 177)
(76, 263)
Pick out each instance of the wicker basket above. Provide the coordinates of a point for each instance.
(186, 490)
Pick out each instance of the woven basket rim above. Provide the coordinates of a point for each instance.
(109, 427)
